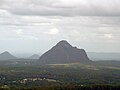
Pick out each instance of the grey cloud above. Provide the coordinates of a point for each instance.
(63, 7)
(86, 22)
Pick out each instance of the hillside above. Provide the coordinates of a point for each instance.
(7, 56)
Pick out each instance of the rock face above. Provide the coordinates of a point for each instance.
(63, 52)
(7, 56)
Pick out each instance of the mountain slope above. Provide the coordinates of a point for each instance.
(7, 56)
(63, 52)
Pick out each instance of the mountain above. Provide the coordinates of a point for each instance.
(7, 56)
(63, 52)
(35, 56)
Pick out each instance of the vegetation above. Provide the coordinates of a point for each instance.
(69, 87)
(24, 75)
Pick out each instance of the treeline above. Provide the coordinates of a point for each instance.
(71, 87)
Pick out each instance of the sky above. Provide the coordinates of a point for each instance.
(34, 26)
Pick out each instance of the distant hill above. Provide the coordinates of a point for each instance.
(103, 56)
(35, 56)
(7, 56)
(63, 52)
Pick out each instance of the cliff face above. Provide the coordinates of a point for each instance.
(63, 52)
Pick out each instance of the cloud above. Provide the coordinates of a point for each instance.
(109, 36)
(84, 29)
(62, 7)
(19, 31)
(53, 31)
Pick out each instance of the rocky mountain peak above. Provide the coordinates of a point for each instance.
(63, 52)
(63, 43)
